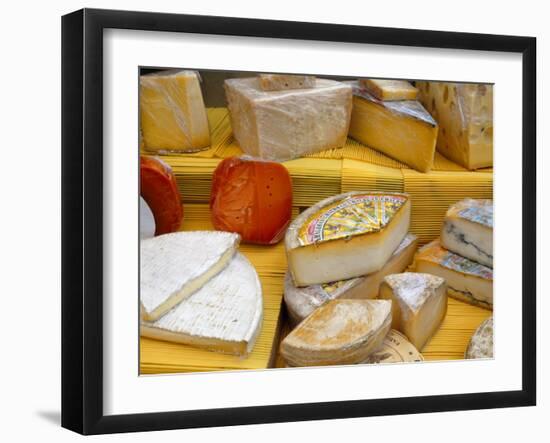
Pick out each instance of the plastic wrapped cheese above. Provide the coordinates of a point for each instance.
(403, 129)
(282, 125)
(173, 116)
(464, 113)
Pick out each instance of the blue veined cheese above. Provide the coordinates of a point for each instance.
(481, 343)
(467, 280)
(224, 315)
(345, 236)
(173, 266)
(419, 304)
(468, 230)
(301, 302)
(339, 332)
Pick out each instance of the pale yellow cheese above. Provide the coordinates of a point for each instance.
(283, 82)
(389, 90)
(172, 112)
(419, 304)
(339, 332)
(346, 236)
(282, 125)
(403, 130)
(464, 113)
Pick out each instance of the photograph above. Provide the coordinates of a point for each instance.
(294, 220)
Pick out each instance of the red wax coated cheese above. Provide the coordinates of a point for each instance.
(252, 198)
(160, 191)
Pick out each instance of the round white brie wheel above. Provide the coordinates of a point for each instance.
(146, 220)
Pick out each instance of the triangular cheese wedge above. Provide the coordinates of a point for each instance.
(173, 266)
(339, 332)
(225, 315)
(419, 304)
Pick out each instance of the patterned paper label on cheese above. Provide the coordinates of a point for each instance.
(395, 349)
(479, 214)
(360, 214)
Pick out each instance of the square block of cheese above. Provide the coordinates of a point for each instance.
(419, 304)
(464, 113)
(284, 82)
(282, 125)
(172, 112)
(389, 90)
(468, 230)
(403, 130)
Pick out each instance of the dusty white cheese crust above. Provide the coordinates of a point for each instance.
(481, 343)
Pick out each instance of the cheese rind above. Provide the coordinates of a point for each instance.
(301, 302)
(173, 266)
(172, 112)
(225, 315)
(282, 125)
(481, 343)
(395, 349)
(468, 230)
(284, 82)
(403, 130)
(339, 332)
(345, 236)
(419, 304)
(389, 90)
(146, 220)
(464, 113)
(467, 280)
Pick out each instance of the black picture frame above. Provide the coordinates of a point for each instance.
(82, 218)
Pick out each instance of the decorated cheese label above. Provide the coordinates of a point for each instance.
(482, 215)
(434, 252)
(395, 349)
(354, 215)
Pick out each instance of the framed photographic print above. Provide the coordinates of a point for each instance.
(273, 221)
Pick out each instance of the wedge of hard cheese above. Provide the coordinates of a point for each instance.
(468, 230)
(339, 332)
(481, 343)
(282, 125)
(173, 266)
(284, 82)
(419, 304)
(467, 280)
(464, 113)
(395, 349)
(403, 130)
(389, 90)
(224, 315)
(172, 112)
(301, 302)
(346, 236)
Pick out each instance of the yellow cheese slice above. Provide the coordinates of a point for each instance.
(389, 90)
(283, 82)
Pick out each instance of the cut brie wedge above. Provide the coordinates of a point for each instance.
(301, 302)
(339, 332)
(225, 315)
(173, 266)
(346, 236)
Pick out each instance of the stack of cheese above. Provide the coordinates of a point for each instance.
(197, 289)
(463, 255)
(339, 251)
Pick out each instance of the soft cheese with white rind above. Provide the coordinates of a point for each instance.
(300, 302)
(339, 332)
(173, 266)
(481, 343)
(345, 236)
(419, 304)
(225, 315)
(468, 230)
(467, 280)
(146, 220)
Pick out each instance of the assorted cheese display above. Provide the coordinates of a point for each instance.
(345, 236)
(464, 113)
(282, 125)
(172, 112)
(359, 284)
(403, 129)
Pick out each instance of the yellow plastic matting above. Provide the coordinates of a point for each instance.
(159, 357)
